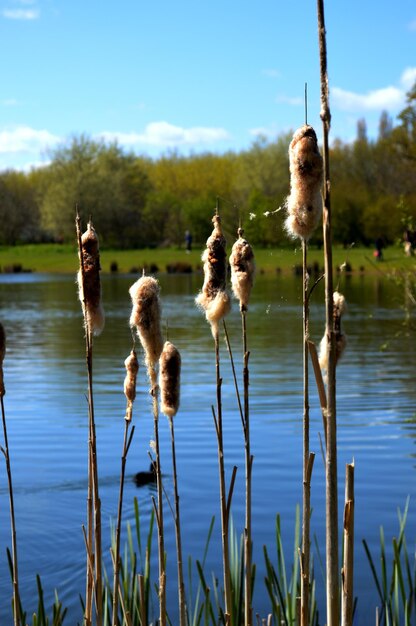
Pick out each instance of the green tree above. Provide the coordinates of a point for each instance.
(102, 182)
(19, 212)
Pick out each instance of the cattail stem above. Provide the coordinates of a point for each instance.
(248, 609)
(223, 495)
(181, 584)
(348, 566)
(5, 450)
(126, 445)
(159, 487)
(306, 512)
(332, 558)
(93, 499)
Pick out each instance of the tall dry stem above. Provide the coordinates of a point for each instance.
(6, 453)
(132, 367)
(215, 302)
(90, 297)
(242, 276)
(169, 377)
(304, 209)
(332, 557)
(145, 318)
(348, 565)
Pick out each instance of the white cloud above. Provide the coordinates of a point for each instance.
(408, 78)
(385, 98)
(26, 139)
(390, 98)
(21, 14)
(167, 135)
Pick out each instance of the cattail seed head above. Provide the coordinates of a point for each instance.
(339, 308)
(242, 270)
(89, 286)
(214, 299)
(132, 367)
(2, 355)
(145, 317)
(169, 379)
(304, 204)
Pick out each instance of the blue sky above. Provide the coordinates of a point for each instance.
(193, 75)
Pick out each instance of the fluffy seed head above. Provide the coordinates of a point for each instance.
(2, 355)
(145, 317)
(213, 299)
(89, 285)
(169, 379)
(304, 204)
(132, 367)
(339, 308)
(242, 270)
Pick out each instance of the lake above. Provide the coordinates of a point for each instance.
(46, 411)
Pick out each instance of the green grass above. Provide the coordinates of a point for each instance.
(63, 258)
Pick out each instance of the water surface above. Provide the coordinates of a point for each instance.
(47, 421)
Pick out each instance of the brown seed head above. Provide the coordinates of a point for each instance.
(132, 367)
(242, 270)
(169, 379)
(213, 299)
(145, 317)
(89, 285)
(304, 204)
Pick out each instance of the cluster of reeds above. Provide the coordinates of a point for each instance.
(292, 598)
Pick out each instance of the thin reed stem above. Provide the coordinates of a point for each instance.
(159, 487)
(348, 565)
(5, 450)
(181, 584)
(332, 558)
(306, 512)
(126, 445)
(223, 495)
(248, 609)
(93, 499)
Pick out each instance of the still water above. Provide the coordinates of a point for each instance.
(47, 422)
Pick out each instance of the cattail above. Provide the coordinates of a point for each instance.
(169, 379)
(2, 355)
(340, 339)
(145, 316)
(213, 298)
(304, 205)
(242, 270)
(132, 367)
(89, 282)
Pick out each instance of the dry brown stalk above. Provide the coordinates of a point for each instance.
(132, 367)
(5, 451)
(90, 297)
(242, 277)
(169, 382)
(215, 302)
(332, 558)
(348, 566)
(145, 318)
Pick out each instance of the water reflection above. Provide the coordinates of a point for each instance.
(47, 418)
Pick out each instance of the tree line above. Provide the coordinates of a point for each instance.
(137, 201)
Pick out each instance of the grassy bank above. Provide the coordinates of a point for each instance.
(63, 259)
